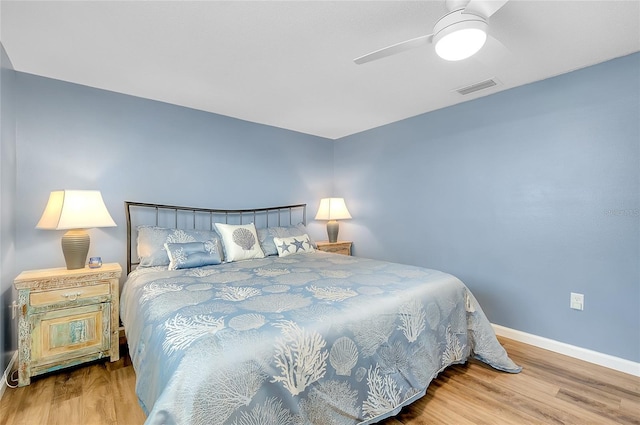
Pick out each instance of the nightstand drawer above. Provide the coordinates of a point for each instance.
(68, 294)
(337, 250)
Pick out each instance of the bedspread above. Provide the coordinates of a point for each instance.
(306, 339)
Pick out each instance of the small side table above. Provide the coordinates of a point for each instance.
(66, 318)
(340, 247)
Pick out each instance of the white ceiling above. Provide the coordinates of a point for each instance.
(290, 64)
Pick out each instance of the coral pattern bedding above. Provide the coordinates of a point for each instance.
(312, 338)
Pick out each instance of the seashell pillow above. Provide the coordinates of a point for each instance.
(240, 241)
(293, 245)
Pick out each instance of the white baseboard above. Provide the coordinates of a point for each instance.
(606, 360)
(7, 373)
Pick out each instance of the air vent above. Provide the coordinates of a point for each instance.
(477, 86)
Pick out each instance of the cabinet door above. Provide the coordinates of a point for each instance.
(59, 336)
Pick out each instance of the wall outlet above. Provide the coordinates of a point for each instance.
(577, 301)
(14, 309)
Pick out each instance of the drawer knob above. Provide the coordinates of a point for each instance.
(72, 296)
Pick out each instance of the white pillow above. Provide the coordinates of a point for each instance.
(293, 245)
(240, 241)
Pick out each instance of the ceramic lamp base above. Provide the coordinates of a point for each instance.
(75, 246)
(332, 231)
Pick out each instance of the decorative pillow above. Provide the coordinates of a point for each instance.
(240, 241)
(266, 236)
(151, 240)
(193, 254)
(293, 245)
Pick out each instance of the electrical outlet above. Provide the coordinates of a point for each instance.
(577, 301)
(14, 308)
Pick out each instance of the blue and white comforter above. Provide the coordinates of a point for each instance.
(306, 339)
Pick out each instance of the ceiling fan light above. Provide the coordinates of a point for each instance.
(458, 36)
(461, 44)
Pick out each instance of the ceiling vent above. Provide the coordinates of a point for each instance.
(477, 86)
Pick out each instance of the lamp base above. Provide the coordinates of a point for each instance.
(75, 247)
(332, 231)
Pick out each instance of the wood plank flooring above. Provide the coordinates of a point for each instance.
(552, 389)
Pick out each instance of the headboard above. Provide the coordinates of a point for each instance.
(179, 217)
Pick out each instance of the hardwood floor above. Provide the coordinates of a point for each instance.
(552, 389)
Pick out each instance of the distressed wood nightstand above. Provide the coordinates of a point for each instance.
(340, 247)
(67, 317)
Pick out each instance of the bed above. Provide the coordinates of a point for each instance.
(218, 333)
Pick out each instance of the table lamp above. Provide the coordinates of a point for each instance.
(332, 209)
(75, 211)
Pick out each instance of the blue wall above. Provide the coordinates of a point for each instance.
(76, 137)
(8, 338)
(526, 195)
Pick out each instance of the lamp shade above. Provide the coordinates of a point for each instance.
(75, 209)
(332, 209)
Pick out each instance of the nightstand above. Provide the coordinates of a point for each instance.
(66, 317)
(340, 247)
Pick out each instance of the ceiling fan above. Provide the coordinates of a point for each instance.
(459, 34)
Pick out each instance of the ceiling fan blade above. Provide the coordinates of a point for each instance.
(484, 8)
(394, 49)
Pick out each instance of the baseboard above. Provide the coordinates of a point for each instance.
(7, 373)
(595, 357)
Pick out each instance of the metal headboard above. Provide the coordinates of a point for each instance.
(179, 217)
